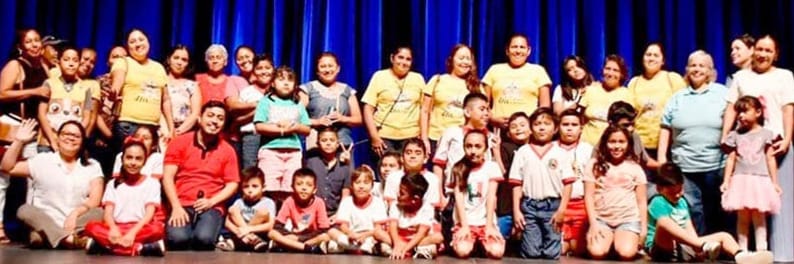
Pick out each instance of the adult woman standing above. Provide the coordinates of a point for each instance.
(775, 88)
(443, 95)
(598, 99)
(185, 97)
(392, 104)
(21, 91)
(691, 128)
(331, 102)
(141, 83)
(517, 85)
(650, 92)
(741, 54)
(215, 85)
(244, 59)
(66, 186)
(576, 78)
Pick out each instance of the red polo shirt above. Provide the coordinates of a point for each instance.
(200, 169)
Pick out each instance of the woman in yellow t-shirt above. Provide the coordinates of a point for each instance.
(442, 106)
(516, 86)
(650, 91)
(141, 84)
(600, 97)
(392, 103)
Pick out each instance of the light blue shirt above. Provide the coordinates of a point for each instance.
(272, 109)
(695, 119)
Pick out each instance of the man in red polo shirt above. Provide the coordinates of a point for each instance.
(200, 173)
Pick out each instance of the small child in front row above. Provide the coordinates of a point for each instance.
(614, 196)
(671, 233)
(475, 181)
(391, 161)
(750, 187)
(539, 181)
(411, 221)
(251, 217)
(302, 222)
(360, 218)
(577, 154)
(129, 202)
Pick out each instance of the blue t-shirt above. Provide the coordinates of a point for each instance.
(695, 122)
(249, 210)
(322, 102)
(660, 207)
(272, 110)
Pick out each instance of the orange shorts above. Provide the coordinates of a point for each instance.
(574, 223)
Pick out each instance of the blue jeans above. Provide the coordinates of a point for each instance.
(249, 149)
(122, 130)
(702, 191)
(200, 235)
(505, 224)
(539, 240)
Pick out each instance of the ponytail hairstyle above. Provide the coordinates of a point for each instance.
(462, 169)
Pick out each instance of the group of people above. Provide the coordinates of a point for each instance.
(150, 156)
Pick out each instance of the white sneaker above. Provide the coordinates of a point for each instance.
(367, 246)
(332, 247)
(385, 249)
(425, 252)
(343, 241)
(711, 250)
(225, 245)
(760, 257)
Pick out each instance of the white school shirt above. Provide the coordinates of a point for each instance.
(423, 217)
(152, 168)
(774, 88)
(130, 201)
(576, 158)
(361, 218)
(249, 94)
(476, 194)
(449, 151)
(57, 191)
(541, 175)
(432, 197)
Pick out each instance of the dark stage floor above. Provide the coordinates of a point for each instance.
(16, 254)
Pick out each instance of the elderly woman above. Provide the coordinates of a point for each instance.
(65, 186)
(690, 132)
(650, 92)
(141, 83)
(775, 88)
(215, 85)
(516, 86)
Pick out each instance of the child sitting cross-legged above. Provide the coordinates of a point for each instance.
(251, 217)
(360, 218)
(302, 221)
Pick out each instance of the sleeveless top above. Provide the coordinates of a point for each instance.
(34, 77)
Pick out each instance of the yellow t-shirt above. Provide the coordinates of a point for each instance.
(447, 93)
(515, 89)
(69, 101)
(397, 103)
(650, 97)
(142, 93)
(597, 101)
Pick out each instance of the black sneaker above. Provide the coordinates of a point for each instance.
(94, 248)
(155, 249)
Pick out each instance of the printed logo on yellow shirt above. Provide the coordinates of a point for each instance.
(403, 103)
(511, 94)
(150, 92)
(455, 108)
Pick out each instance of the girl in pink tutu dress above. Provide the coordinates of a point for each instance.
(750, 186)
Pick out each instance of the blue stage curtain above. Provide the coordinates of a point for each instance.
(362, 33)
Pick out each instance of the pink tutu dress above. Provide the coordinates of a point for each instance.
(751, 187)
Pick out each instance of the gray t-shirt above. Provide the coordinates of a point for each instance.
(322, 101)
(751, 151)
(249, 210)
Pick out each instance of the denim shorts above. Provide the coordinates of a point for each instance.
(633, 226)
